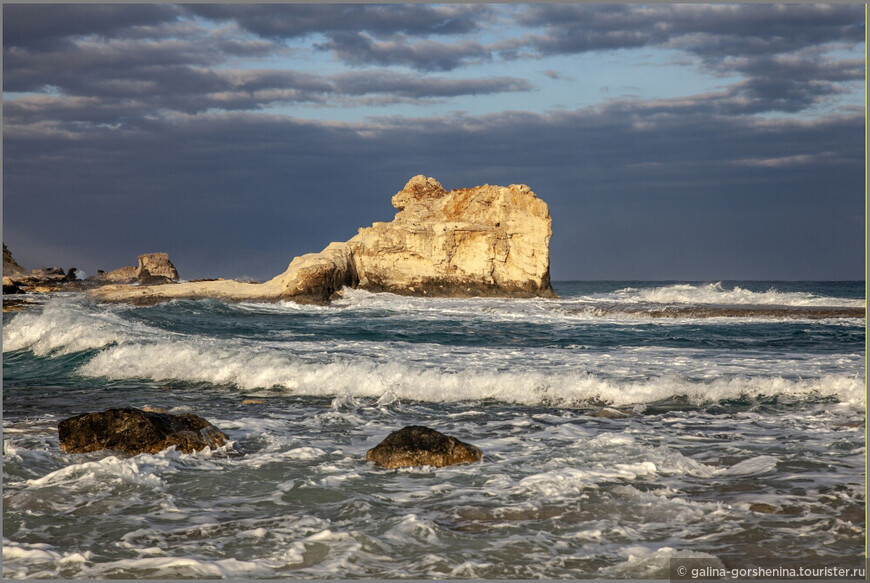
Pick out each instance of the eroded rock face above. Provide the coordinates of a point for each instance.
(416, 445)
(156, 268)
(134, 431)
(487, 240)
(314, 277)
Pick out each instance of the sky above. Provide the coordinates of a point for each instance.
(671, 142)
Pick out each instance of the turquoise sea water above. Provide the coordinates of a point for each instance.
(748, 443)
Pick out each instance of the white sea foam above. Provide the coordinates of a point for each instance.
(63, 327)
(250, 367)
(642, 562)
(142, 470)
(716, 293)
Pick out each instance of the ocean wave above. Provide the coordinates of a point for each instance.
(64, 327)
(251, 368)
(717, 293)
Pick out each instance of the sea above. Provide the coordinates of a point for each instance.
(741, 439)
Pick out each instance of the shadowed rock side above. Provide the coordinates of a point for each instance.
(482, 241)
(11, 268)
(134, 431)
(420, 446)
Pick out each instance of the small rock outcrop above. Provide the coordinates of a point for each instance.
(482, 241)
(156, 268)
(153, 269)
(416, 445)
(11, 268)
(17, 280)
(134, 431)
(126, 274)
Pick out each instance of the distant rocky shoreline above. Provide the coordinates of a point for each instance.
(18, 282)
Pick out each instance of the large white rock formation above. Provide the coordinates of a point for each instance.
(487, 240)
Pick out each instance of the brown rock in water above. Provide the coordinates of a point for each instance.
(134, 431)
(762, 507)
(420, 446)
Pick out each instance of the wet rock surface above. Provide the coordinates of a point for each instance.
(134, 431)
(416, 445)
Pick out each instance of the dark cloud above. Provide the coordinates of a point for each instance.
(49, 25)
(709, 30)
(133, 95)
(299, 20)
(777, 48)
(357, 48)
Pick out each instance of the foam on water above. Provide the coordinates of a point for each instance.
(716, 293)
(253, 368)
(64, 327)
(732, 415)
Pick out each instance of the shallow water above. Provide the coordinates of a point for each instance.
(749, 429)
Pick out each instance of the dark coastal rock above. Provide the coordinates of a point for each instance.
(135, 431)
(48, 273)
(145, 278)
(10, 286)
(71, 275)
(418, 446)
(11, 268)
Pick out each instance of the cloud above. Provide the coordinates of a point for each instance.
(299, 20)
(357, 48)
(48, 26)
(706, 30)
(778, 49)
(132, 97)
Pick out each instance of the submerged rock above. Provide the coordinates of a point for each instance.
(135, 431)
(481, 241)
(416, 445)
